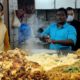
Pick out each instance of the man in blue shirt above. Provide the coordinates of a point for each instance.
(60, 35)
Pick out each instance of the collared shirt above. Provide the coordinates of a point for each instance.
(63, 33)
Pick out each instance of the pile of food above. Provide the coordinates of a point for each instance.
(59, 67)
(48, 61)
(66, 72)
(19, 65)
(15, 66)
(71, 72)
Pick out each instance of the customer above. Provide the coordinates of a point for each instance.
(61, 35)
(4, 39)
(76, 24)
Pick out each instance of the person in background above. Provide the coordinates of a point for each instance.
(4, 38)
(60, 34)
(24, 33)
(71, 19)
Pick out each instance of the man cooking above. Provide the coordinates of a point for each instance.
(60, 35)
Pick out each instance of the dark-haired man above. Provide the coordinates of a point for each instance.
(76, 24)
(61, 35)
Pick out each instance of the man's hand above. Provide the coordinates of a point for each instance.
(48, 40)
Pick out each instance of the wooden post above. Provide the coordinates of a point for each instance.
(6, 11)
(6, 15)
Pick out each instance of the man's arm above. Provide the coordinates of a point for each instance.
(44, 34)
(64, 42)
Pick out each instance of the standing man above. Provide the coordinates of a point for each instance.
(76, 24)
(61, 35)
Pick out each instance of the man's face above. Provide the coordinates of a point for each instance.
(70, 15)
(70, 12)
(61, 16)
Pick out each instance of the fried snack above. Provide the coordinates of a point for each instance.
(77, 53)
(37, 75)
(67, 72)
(15, 66)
